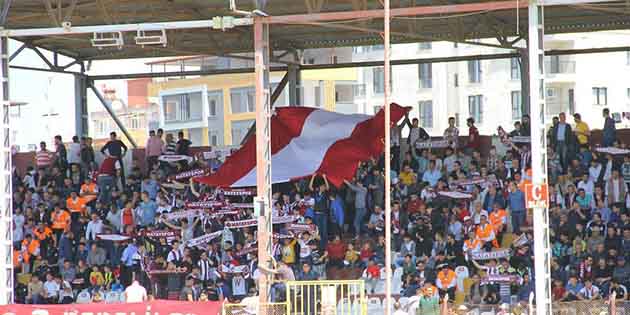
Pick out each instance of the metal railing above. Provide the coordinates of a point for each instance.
(326, 297)
(559, 67)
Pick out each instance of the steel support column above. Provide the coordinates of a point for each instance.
(387, 124)
(295, 81)
(263, 156)
(6, 194)
(80, 105)
(536, 55)
(112, 114)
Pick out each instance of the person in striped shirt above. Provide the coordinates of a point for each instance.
(43, 157)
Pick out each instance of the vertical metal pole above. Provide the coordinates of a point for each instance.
(6, 190)
(388, 206)
(80, 105)
(539, 155)
(263, 153)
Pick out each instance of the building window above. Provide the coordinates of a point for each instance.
(243, 100)
(239, 130)
(425, 75)
(517, 107)
(600, 96)
(424, 46)
(456, 80)
(425, 108)
(378, 75)
(318, 94)
(475, 108)
(213, 137)
(182, 107)
(628, 58)
(515, 69)
(457, 120)
(474, 71)
(212, 107)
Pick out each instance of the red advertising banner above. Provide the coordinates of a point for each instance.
(161, 307)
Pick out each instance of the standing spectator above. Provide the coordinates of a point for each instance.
(74, 151)
(116, 149)
(170, 146)
(61, 154)
(451, 134)
(582, 132)
(43, 157)
(183, 145)
(153, 149)
(516, 205)
(88, 158)
(560, 139)
(416, 132)
(321, 208)
(610, 132)
(360, 206)
(135, 293)
(474, 141)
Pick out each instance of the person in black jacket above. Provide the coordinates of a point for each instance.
(116, 149)
(560, 138)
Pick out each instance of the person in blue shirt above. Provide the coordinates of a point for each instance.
(151, 186)
(148, 209)
(432, 175)
(516, 204)
(128, 263)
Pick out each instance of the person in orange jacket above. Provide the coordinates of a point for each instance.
(446, 281)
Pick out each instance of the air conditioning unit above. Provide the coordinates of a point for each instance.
(151, 38)
(113, 39)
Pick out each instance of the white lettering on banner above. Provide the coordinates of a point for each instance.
(491, 255)
(521, 139)
(455, 194)
(613, 150)
(432, 144)
(203, 239)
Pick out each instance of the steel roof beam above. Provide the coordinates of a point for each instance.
(155, 26)
(355, 64)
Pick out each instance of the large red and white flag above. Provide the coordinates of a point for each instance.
(306, 141)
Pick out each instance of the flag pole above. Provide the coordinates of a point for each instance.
(388, 212)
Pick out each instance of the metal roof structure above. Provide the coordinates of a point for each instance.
(225, 27)
(297, 24)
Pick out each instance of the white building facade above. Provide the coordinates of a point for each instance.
(490, 90)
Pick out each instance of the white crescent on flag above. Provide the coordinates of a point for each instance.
(306, 141)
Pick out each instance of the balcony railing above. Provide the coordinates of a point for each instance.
(559, 67)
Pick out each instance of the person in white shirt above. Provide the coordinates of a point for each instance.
(589, 291)
(74, 151)
(135, 293)
(51, 289)
(94, 228)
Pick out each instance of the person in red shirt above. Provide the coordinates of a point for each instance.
(474, 141)
(336, 252)
(128, 216)
(414, 204)
(372, 275)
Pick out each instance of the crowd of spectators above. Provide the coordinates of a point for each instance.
(84, 231)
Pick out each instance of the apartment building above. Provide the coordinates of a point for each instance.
(218, 110)
(490, 90)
